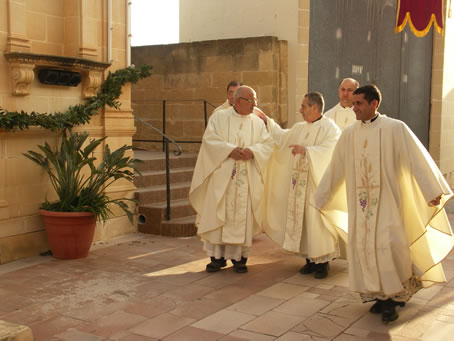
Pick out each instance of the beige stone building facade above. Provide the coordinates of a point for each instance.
(203, 21)
(84, 36)
(441, 145)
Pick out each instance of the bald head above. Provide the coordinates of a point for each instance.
(346, 88)
(244, 100)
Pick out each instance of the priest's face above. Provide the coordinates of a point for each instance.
(307, 110)
(346, 89)
(230, 93)
(364, 110)
(246, 101)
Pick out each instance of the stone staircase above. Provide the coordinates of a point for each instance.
(151, 193)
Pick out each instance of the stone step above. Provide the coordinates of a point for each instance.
(151, 193)
(179, 227)
(158, 177)
(151, 219)
(155, 194)
(156, 160)
(178, 208)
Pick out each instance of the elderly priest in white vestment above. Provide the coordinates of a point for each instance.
(398, 231)
(300, 157)
(227, 186)
(342, 113)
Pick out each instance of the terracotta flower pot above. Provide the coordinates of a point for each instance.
(69, 234)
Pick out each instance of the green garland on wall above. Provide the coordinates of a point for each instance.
(80, 113)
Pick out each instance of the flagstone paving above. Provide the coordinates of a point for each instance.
(144, 287)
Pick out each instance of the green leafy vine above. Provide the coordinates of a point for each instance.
(80, 113)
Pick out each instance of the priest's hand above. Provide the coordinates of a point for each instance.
(237, 154)
(298, 149)
(435, 202)
(247, 154)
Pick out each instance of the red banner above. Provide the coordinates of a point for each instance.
(420, 14)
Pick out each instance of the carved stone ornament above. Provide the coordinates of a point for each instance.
(21, 77)
(91, 82)
(23, 65)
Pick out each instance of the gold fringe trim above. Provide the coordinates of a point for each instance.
(416, 32)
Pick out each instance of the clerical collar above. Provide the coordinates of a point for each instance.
(371, 120)
(318, 119)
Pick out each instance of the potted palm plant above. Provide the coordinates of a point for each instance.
(79, 181)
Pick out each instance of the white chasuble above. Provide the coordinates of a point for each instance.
(226, 194)
(289, 217)
(236, 198)
(297, 194)
(367, 172)
(396, 239)
(343, 117)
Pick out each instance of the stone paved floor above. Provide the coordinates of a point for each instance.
(145, 287)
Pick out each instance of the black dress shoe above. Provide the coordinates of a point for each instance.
(377, 308)
(308, 268)
(216, 264)
(389, 312)
(240, 266)
(321, 270)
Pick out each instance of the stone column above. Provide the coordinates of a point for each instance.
(88, 30)
(17, 39)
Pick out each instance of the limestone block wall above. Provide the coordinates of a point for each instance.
(441, 143)
(302, 57)
(186, 72)
(32, 32)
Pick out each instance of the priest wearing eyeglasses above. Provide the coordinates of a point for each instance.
(227, 186)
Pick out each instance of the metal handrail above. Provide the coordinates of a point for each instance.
(164, 101)
(166, 139)
(175, 152)
(164, 136)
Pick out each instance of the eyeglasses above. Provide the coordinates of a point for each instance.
(252, 101)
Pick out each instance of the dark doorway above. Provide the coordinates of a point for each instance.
(356, 39)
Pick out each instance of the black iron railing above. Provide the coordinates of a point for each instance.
(166, 150)
(166, 139)
(164, 115)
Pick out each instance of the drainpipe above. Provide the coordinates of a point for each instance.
(109, 31)
(128, 33)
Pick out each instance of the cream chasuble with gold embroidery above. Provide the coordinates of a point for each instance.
(367, 170)
(289, 218)
(343, 117)
(227, 194)
(396, 240)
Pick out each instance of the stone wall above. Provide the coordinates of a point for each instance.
(441, 143)
(36, 34)
(183, 73)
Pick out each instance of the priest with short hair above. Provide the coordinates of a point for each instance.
(300, 156)
(394, 193)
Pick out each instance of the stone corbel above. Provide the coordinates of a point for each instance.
(91, 82)
(21, 77)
